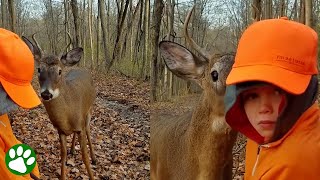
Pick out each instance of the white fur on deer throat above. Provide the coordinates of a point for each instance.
(55, 93)
(218, 124)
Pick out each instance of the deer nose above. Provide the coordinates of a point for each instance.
(46, 95)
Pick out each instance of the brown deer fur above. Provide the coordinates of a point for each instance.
(197, 145)
(68, 97)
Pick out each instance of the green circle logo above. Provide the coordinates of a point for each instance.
(20, 159)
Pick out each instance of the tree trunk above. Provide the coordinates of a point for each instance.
(294, 11)
(302, 12)
(282, 8)
(268, 9)
(170, 15)
(138, 37)
(4, 14)
(12, 12)
(146, 26)
(51, 27)
(74, 7)
(155, 30)
(101, 5)
(98, 39)
(90, 32)
(83, 33)
(66, 22)
(256, 10)
(308, 11)
(121, 18)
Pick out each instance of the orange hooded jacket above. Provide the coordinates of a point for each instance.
(295, 156)
(7, 140)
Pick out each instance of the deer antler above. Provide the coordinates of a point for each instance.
(37, 44)
(193, 44)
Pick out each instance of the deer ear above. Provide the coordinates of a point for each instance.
(34, 49)
(181, 61)
(72, 57)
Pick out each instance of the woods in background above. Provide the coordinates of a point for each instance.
(122, 35)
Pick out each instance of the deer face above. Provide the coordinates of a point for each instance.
(219, 72)
(50, 77)
(50, 69)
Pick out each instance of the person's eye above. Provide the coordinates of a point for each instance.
(278, 92)
(250, 96)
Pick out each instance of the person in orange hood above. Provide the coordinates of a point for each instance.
(271, 98)
(16, 71)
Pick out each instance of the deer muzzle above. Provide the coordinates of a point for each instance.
(46, 95)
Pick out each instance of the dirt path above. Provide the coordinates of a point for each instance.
(120, 133)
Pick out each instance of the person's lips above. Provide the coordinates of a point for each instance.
(267, 124)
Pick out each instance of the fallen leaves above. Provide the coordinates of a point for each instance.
(120, 132)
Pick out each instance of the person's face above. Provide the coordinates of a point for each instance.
(261, 105)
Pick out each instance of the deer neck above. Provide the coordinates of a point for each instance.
(208, 117)
(209, 109)
(210, 136)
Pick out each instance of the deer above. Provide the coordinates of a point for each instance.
(197, 145)
(68, 98)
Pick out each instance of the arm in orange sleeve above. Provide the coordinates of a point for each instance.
(7, 139)
(6, 174)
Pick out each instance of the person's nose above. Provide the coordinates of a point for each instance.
(265, 104)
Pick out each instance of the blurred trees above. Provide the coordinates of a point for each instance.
(121, 36)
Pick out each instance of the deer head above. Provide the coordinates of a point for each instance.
(209, 71)
(50, 67)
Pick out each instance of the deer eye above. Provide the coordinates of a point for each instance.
(214, 75)
(60, 71)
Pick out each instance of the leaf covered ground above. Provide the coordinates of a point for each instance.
(120, 133)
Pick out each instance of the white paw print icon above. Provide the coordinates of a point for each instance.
(20, 159)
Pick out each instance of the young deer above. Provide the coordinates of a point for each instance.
(68, 98)
(197, 145)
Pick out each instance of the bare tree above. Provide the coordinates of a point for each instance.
(98, 38)
(51, 26)
(66, 21)
(155, 30)
(268, 9)
(75, 12)
(308, 11)
(4, 13)
(122, 13)
(302, 14)
(256, 10)
(146, 25)
(12, 12)
(282, 8)
(90, 31)
(102, 18)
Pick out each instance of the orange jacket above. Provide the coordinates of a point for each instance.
(295, 156)
(7, 140)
